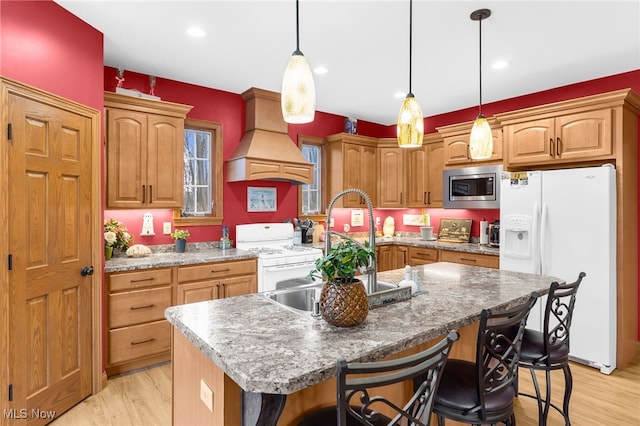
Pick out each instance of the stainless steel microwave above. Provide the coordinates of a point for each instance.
(472, 187)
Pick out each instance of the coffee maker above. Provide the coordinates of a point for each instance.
(494, 234)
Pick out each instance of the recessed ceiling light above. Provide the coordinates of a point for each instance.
(498, 65)
(320, 70)
(196, 32)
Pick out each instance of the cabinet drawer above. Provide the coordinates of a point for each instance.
(474, 259)
(135, 307)
(216, 270)
(422, 255)
(139, 341)
(130, 280)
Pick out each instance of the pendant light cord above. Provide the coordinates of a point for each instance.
(410, 41)
(480, 63)
(297, 27)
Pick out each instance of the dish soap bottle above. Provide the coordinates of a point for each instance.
(225, 242)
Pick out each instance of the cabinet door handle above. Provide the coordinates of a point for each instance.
(468, 260)
(213, 271)
(134, 308)
(558, 147)
(551, 147)
(144, 194)
(142, 280)
(401, 198)
(150, 194)
(140, 342)
(429, 197)
(468, 155)
(424, 197)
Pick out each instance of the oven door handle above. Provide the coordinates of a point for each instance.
(289, 266)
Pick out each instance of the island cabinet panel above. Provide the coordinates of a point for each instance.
(216, 280)
(352, 163)
(144, 152)
(474, 259)
(422, 255)
(456, 144)
(195, 375)
(136, 332)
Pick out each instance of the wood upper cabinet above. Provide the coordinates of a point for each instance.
(566, 138)
(352, 163)
(456, 143)
(144, 146)
(411, 177)
(391, 187)
(216, 280)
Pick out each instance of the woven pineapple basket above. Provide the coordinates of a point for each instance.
(344, 304)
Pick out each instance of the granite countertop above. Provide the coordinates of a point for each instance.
(160, 259)
(266, 348)
(415, 241)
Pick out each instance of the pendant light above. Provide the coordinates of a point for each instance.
(410, 121)
(298, 95)
(481, 139)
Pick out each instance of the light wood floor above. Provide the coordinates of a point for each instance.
(144, 399)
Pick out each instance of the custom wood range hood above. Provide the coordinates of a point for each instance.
(266, 152)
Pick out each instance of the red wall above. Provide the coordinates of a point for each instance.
(43, 45)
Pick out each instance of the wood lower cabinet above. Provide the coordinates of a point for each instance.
(422, 255)
(391, 257)
(144, 152)
(136, 332)
(474, 259)
(216, 281)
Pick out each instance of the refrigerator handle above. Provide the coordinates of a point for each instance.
(543, 233)
(535, 240)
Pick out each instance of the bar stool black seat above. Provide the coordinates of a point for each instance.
(549, 350)
(359, 405)
(482, 392)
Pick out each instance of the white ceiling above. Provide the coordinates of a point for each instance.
(365, 47)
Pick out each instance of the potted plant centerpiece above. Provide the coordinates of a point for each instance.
(116, 236)
(180, 235)
(343, 300)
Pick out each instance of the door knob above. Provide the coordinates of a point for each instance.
(87, 270)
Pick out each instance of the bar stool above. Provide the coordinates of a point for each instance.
(482, 392)
(357, 405)
(549, 350)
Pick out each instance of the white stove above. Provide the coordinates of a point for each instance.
(280, 263)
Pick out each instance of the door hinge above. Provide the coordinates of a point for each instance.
(10, 262)
(9, 131)
(11, 392)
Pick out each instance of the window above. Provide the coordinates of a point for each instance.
(311, 198)
(202, 203)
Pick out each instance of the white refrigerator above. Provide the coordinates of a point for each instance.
(561, 223)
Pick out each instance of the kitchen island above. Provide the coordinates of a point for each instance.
(247, 355)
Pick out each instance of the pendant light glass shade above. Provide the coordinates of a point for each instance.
(298, 96)
(481, 140)
(410, 123)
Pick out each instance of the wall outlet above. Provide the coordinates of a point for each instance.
(166, 228)
(206, 395)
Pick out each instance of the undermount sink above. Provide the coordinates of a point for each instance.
(299, 299)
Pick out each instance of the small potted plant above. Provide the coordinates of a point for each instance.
(426, 230)
(343, 300)
(116, 236)
(180, 235)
